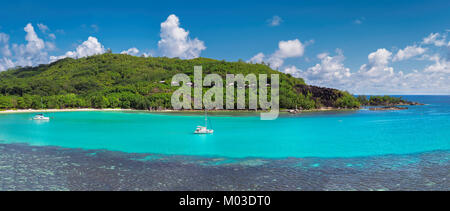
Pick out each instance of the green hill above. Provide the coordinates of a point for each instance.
(115, 80)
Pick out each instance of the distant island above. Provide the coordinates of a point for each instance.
(380, 103)
(129, 82)
(384, 101)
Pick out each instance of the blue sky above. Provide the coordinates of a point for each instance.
(233, 30)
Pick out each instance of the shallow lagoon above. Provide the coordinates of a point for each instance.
(324, 134)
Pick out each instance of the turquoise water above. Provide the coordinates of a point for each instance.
(328, 134)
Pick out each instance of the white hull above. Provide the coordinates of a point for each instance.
(204, 129)
(43, 118)
(204, 132)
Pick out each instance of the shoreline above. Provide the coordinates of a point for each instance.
(162, 111)
(61, 110)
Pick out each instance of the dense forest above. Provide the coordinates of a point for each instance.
(123, 81)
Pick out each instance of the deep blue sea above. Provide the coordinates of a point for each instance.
(314, 134)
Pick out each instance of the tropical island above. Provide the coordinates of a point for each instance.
(130, 82)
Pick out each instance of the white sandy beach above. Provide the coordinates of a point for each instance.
(62, 110)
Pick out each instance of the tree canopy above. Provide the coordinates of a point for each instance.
(124, 81)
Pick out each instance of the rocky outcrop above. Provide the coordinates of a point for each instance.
(388, 108)
(326, 96)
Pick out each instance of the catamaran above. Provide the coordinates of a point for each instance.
(41, 117)
(204, 130)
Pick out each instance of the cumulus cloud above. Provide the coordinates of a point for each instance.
(286, 49)
(175, 41)
(29, 54)
(329, 72)
(258, 58)
(275, 21)
(88, 48)
(378, 64)
(293, 70)
(34, 42)
(441, 65)
(435, 39)
(6, 63)
(132, 51)
(408, 52)
(378, 77)
(33, 52)
(290, 48)
(4, 45)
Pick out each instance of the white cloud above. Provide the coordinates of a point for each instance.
(292, 70)
(257, 59)
(409, 52)
(88, 48)
(175, 41)
(131, 51)
(4, 45)
(286, 49)
(34, 42)
(329, 72)
(6, 63)
(43, 27)
(275, 21)
(377, 70)
(380, 57)
(435, 39)
(33, 53)
(30, 54)
(290, 48)
(377, 77)
(440, 65)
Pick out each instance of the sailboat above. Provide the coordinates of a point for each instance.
(204, 130)
(41, 116)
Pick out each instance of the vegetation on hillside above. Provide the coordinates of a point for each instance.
(123, 81)
(382, 101)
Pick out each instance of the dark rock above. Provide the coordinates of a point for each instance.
(326, 96)
(392, 108)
